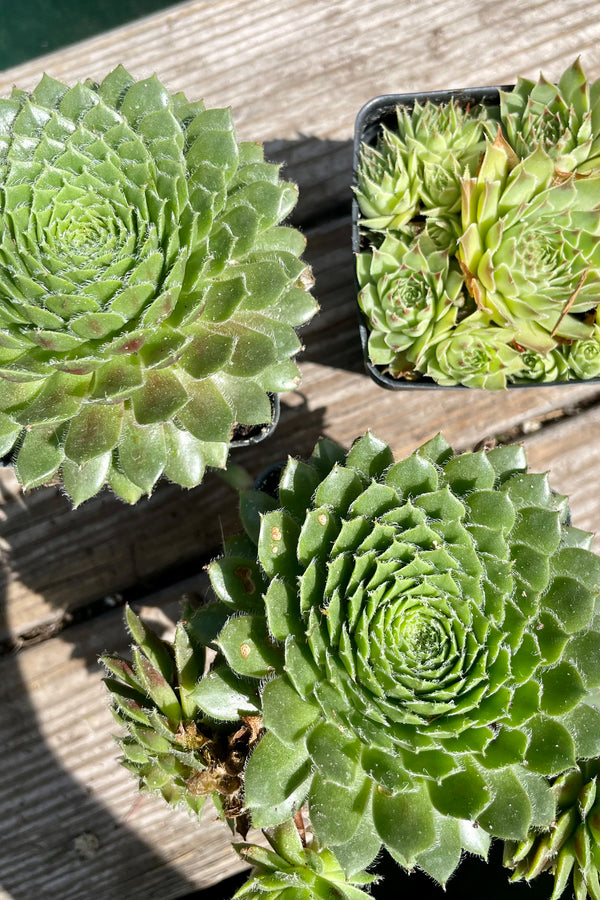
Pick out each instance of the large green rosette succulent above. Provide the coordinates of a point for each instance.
(426, 635)
(148, 295)
(563, 119)
(530, 249)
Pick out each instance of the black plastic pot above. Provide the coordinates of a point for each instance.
(267, 481)
(378, 112)
(246, 435)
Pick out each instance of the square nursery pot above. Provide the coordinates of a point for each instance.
(381, 111)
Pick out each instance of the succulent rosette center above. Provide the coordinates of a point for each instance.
(410, 292)
(422, 657)
(540, 252)
(418, 649)
(549, 130)
(410, 295)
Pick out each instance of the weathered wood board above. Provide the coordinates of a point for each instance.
(295, 72)
(72, 823)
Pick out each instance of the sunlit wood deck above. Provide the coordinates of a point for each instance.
(295, 72)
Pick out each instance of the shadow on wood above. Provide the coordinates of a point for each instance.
(54, 833)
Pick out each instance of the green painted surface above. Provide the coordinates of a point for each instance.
(30, 28)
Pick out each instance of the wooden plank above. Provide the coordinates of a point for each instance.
(54, 559)
(307, 66)
(73, 824)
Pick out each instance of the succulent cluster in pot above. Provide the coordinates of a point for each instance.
(420, 641)
(148, 292)
(481, 237)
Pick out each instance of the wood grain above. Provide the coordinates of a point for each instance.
(295, 72)
(73, 825)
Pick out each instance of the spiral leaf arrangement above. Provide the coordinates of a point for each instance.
(148, 293)
(426, 638)
(511, 195)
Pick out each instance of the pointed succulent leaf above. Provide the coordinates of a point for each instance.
(172, 745)
(93, 432)
(441, 860)
(84, 480)
(40, 456)
(155, 649)
(405, 822)
(142, 453)
(246, 647)
(275, 799)
(286, 714)
(336, 810)
(221, 695)
(186, 457)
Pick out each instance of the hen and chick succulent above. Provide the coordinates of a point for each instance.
(172, 744)
(148, 293)
(509, 195)
(291, 870)
(417, 644)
